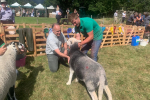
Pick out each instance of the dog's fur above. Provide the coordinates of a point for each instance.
(88, 71)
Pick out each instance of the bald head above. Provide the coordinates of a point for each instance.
(56, 29)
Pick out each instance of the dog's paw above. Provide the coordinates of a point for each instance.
(76, 80)
(68, 83)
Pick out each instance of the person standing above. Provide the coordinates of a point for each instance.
(24, 13)
(123, 16)
(76, 12)
(58, 14)
(54, 49)
(13, 11)
(6, 15)
(116, 17)
(91, 30)
(67, 11)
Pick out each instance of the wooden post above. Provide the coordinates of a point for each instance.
(130, 34)
(62, 28)
(124, 36)
(34, 40)
(105, 38)
(3, 34)
(43, 25)
(24, 26)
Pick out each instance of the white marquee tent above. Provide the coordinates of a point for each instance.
(28, 5)
(50, 7)
(39, 6)
(15, 4)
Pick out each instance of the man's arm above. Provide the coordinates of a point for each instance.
(65, 47)
(2, 50)
(89, 38)
(61, 54)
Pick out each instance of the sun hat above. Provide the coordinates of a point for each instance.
(3, 1)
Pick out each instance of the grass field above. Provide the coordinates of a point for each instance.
(33, 20)
(127, 69)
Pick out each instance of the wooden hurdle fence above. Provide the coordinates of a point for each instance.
(109, 39)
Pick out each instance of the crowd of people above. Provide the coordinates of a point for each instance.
(138, 19)
(59, 13)
(26, 13)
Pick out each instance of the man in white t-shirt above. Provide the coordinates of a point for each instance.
(123, 16)
(116, 16)
(54, 49)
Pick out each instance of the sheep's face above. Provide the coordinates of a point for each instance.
(71, 41)
(17, 46)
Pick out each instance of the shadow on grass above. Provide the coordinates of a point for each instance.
(27, 80)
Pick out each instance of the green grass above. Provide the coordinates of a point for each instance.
(33, 20)
(127, 69)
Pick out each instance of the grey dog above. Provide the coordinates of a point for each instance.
(88, 71)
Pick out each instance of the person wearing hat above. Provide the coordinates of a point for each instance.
(6, 15)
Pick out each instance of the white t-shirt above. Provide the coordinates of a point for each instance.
(123, 14)
(57, 12)
(115, 14)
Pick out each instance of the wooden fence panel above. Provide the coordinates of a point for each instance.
(109, 39)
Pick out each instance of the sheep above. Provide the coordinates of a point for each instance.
(89, 71)
(72, 41)
(8, 68)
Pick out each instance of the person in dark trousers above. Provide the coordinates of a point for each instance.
(6, 14)
(54, 49)
(123, 16)
(58, 14)
(91, 30)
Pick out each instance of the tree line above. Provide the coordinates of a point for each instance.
(95, 7)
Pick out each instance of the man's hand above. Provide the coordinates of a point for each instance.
(2, 50)
(79, 45)
(68, 59)
(0, 9)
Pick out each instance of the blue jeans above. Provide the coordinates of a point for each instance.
(94, 45)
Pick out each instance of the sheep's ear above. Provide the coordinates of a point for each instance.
(68, 43)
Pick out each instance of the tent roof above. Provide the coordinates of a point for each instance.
(39, 6)
(28, 5)
(15, 4)
(50, 7)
